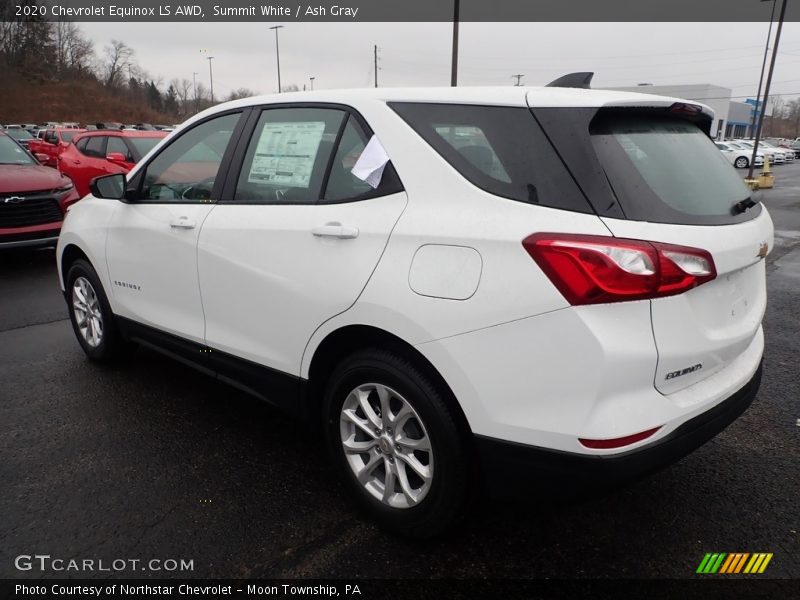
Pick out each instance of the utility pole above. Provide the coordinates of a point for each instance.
(763, 68)
(211, 77)
(194, 87)
(311, 79)
(766, 88)
(278, 54)
(518, 76)
(375, 54)
(454, 66)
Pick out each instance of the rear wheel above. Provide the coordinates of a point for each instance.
(90, 313)
(396, 444)
(741, 162)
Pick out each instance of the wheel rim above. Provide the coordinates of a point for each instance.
(741, 163)
(88, 316)
(386, 445)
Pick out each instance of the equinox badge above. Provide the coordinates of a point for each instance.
(685, 371)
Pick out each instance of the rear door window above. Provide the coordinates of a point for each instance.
(667, 170)
(500, 149)
(96, 147)
(117, 145)
(288, 156)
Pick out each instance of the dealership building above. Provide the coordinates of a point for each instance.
(731, 119)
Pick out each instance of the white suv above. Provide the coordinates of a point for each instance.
(511, 285)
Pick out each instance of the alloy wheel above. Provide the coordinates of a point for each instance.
(88, 315)
(386, 445)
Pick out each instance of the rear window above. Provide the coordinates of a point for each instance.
(501, 150)
(667, 170)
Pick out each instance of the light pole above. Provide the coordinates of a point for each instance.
(311, 79)
(766, 87)
(763, 67)
(278, 54)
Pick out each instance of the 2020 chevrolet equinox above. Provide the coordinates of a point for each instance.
(461, 285)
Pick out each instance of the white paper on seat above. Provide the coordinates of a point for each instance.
(369, 166)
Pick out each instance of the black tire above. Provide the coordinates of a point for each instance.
(741, 163)
(112, 346)
(447, 497)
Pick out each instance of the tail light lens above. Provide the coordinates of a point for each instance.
(592, 269)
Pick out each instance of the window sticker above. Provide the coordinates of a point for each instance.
(286, 153)
(369, 166)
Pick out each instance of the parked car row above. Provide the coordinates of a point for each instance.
(740, 152)
(40, 179)
(33, 198)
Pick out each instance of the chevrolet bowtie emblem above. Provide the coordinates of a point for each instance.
(762, 250)
(13, 200)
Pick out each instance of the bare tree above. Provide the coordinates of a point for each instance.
(241, 93)
(185, 91)
(118, 58)
(74, 52)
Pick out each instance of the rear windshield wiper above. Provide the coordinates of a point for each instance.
(743, 205)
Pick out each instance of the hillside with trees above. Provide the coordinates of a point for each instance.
(51, 71)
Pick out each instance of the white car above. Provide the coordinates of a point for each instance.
(788, 154)
(776, 157)
(462, 286)
(739, 156)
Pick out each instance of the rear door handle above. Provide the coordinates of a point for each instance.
(336, 230)
(182, 223)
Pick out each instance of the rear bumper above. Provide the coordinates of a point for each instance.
(531, 468)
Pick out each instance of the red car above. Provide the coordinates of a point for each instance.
(104, 152)
(33, 198)
(53, 143)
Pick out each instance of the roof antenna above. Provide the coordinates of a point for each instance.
(573, 80)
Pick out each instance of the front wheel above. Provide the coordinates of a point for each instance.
(396, 443)
(741, 163)
(90, 313)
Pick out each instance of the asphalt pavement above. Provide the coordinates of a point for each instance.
(152, 460)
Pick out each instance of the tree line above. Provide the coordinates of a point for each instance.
(43, 52)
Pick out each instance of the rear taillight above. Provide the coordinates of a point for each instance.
(593, 269)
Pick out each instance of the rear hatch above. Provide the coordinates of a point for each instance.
(653, 174)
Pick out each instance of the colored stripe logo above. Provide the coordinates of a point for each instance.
(734, 563)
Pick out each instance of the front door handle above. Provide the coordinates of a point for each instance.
(336, 230)
(182, 223)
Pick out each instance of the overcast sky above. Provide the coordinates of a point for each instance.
(339, 55)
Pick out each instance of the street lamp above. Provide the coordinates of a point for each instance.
(311, 79)
(278, 54)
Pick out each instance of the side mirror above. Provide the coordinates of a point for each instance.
(42, 158)
(109, 186)
(116, 157)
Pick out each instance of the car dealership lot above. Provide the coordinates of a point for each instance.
(152, 460)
